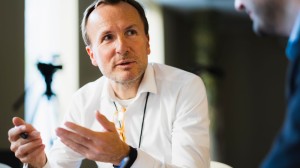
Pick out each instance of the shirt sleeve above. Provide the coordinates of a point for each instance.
(190, 137)
(190, 131)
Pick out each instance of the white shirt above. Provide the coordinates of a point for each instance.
(176, 125)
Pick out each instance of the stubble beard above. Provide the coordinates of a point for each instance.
(131, 82)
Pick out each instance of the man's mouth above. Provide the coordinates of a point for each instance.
(125, 63)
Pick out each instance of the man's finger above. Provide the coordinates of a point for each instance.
(33, 155)
(84, 132)
(106, 124)
(23, 126)
(28, 148)
(79, 148)
(18, 121)
(14, 133)
(75, 137)
(74, 141)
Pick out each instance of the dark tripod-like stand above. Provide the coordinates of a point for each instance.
(45, 114)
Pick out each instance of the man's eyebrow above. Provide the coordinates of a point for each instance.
(104, 33)
(131, 26)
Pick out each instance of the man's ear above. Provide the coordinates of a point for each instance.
(148, 45)
(91, 54)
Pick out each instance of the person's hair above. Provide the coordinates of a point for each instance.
(96, 3)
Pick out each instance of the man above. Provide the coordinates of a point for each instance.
(282, 17)
(153, 114)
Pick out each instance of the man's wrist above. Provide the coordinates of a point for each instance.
(128, 161)
(40, 165)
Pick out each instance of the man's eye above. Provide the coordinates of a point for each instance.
(107, 37)
(131, 32)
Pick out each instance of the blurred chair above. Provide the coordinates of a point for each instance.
(214, 164)
(4, 166)
(7, 157)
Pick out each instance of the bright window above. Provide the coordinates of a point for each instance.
(51, 37)
(156, 33)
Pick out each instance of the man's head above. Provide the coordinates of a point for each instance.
(116, 35)
(96, 3)
(271, 17)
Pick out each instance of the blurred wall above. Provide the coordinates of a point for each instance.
(11, 63)
(12, 69)
(87, 72)
(251, 97)
(250, 84)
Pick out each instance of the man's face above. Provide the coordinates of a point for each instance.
(119, 45)
(266, 14)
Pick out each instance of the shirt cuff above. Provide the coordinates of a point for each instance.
(143, 160)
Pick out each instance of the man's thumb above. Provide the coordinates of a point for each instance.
(18, 121)
(106, 124)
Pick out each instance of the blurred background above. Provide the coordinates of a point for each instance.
(43, 61)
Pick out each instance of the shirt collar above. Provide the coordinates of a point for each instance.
(293, 46)
(148, 84)
(107, 91)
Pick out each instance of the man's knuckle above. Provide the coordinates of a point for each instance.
(13, 147)
(18, 155)
(22, 151)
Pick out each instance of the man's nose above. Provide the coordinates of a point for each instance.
(239, 6)
(121, 46)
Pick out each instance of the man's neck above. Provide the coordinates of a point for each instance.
(126, 90)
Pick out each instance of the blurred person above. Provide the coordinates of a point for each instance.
(153, 114)
(281, 18)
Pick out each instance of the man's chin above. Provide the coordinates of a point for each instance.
(261, 32)
(128, 80)
(265, 31)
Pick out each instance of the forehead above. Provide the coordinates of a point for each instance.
(112, 14)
